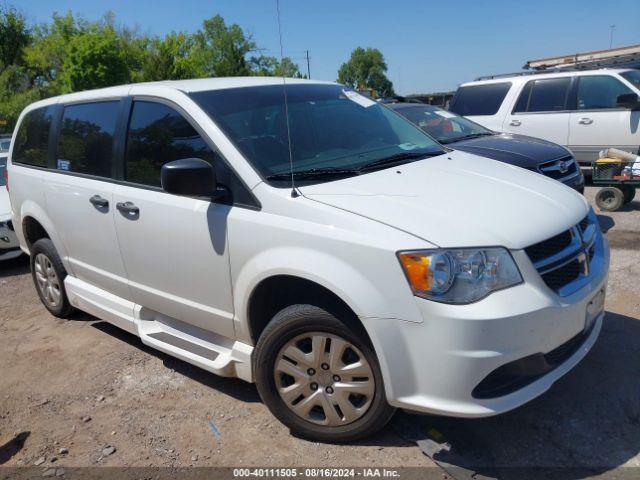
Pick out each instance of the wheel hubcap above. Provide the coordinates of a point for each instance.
(324, 379)
(47, 280)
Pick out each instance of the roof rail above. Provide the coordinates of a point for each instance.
(620, 57)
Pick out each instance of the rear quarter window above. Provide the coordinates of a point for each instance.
(479, 99)
(32, 139)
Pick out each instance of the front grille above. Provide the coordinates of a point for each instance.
(556, 279)
(549, 247)
(559, 168)
(565, 257)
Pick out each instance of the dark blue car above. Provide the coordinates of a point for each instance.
(460, 133)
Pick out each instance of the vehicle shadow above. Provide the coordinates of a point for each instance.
(587, 424)
(606, 222)
(13, 446)
(236, 388)
(14, 267)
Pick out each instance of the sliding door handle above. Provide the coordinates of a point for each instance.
(99, 202)
(127, 208)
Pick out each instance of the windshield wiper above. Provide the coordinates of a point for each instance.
(314, 173)
(465, 137)
(396, 159)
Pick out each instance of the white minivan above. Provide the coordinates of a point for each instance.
(317, 244)
(585, 110)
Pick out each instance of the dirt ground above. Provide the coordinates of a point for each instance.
(69, 390)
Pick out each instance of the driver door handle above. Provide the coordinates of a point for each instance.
(585, 121)
(99, 202)
(127, 208)
(515, 123)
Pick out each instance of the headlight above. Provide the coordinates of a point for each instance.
(459, 275)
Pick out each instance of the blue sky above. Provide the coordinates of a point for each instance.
(429, 45)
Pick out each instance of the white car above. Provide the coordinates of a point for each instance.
(9, 246)
(365, 268)
(585, 110)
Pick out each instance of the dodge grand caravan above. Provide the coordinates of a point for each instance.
(327, 249)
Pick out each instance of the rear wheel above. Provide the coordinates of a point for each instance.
(628, 193)
(319, 377)
(609, 199)
(48, 275)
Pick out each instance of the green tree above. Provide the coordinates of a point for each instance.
(171, 58)
(366, 69)
(94, 59)
(221, 50)
(14, 36)
(267, 66)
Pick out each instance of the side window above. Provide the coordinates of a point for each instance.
(549, 95)
(523, 99)
(479, 99)
(32, 140)
(157, 135)
(85, 144)
(598, 92)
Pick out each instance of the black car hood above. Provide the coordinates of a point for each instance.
(519, 150)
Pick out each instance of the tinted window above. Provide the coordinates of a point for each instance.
(3, 167)
(523, 99)
(32, 140)
(330, 128)
(5, 145)
(157, 135)
(85, 144)
(479, 99)
(548, 95)
(599, 92)
(632, 76)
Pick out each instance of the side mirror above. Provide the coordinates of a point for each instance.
(189, 177)
(628, 100)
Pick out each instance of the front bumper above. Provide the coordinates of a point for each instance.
(9, 244)
(434, 366)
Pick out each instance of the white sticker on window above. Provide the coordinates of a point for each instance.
(444, 113)
(64, 164)
(357, 98)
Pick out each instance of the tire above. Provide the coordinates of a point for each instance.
(47, 271)
(628, 193)
(609, 199)
(365, 413)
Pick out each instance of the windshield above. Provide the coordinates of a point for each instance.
(444, 126)
(330, 128)
(4, 145)
(632, 76)
(3, 167)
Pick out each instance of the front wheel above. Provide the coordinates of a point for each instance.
(319, 377)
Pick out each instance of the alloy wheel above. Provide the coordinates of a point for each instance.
(47, 280)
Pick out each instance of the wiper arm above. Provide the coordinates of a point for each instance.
(396, 159)
(467, 137)
(314, 173)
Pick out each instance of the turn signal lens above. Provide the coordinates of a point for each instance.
(459, 275)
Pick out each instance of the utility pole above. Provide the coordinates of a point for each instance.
(308, 68)
(611, 27)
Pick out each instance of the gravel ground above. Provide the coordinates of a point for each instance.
(83, 393)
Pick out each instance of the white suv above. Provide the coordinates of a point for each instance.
(363, 269)
(585, 111)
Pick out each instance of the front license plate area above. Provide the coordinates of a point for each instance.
(594, 308)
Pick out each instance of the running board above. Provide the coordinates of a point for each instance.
(203, 348)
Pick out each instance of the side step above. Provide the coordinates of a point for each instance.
(205, 349)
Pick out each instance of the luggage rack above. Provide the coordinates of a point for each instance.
(619, 179)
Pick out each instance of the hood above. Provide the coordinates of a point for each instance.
(5, 206)
(525, 152)
(459, 200)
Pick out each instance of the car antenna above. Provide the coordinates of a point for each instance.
(294, 192)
